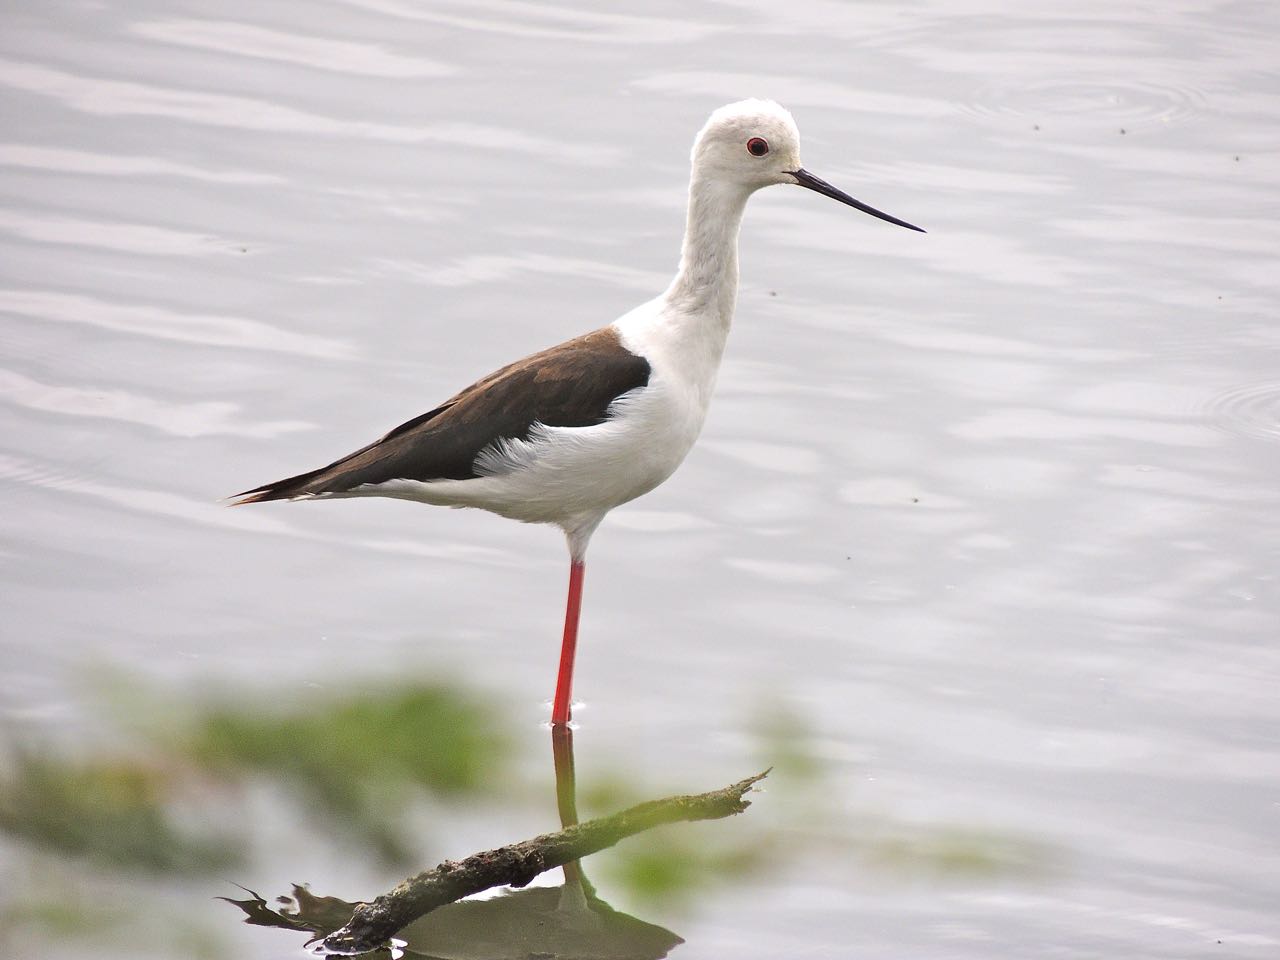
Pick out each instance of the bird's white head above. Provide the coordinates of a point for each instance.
(751, 143)
(755, 143)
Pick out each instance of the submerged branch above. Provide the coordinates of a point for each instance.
(517, 864)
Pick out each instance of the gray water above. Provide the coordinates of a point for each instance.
(992, 511)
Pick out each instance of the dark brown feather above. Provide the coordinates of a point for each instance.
(569, 385)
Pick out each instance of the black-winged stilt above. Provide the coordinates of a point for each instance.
(566, 435)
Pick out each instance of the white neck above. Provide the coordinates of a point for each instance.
(686, 328)
(706, 285)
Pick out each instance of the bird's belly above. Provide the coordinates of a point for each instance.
(561, 474)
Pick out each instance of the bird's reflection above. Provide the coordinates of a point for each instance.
(567, 799)
(565, 921)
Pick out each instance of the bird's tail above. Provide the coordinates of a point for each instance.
(336, 479)
(253, 496)
(292, 488)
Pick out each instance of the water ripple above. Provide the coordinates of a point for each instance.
(165, 324)
(1036, 424)
(795, 90)
(320, 53)
(62, 160)
(779, 457)
(116, 98)
(1248, 410)
(202, 512)
(470, 271)
(179, 419)
(546, 21)
(139, 238)
(784, 571)
(1105, 102)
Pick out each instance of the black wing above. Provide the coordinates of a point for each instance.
(570, 385)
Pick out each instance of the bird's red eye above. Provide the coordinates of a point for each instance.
(757, 146)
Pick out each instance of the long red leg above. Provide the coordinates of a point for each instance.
(569, 646)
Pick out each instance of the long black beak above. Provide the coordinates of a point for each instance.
(818, 185)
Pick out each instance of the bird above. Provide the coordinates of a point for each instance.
(565, 435)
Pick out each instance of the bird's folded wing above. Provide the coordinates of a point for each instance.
(569, 385)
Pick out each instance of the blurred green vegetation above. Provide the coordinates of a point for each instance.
(674, 864)
(954, 853)
(784, 740)
(112, 811)
(363, 762)
(360, 762)
(92, 917)
(429, 736)
(813, 817)
(61, 917)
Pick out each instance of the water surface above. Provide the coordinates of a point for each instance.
(992, 510)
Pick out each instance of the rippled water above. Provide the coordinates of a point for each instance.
(993, 509)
